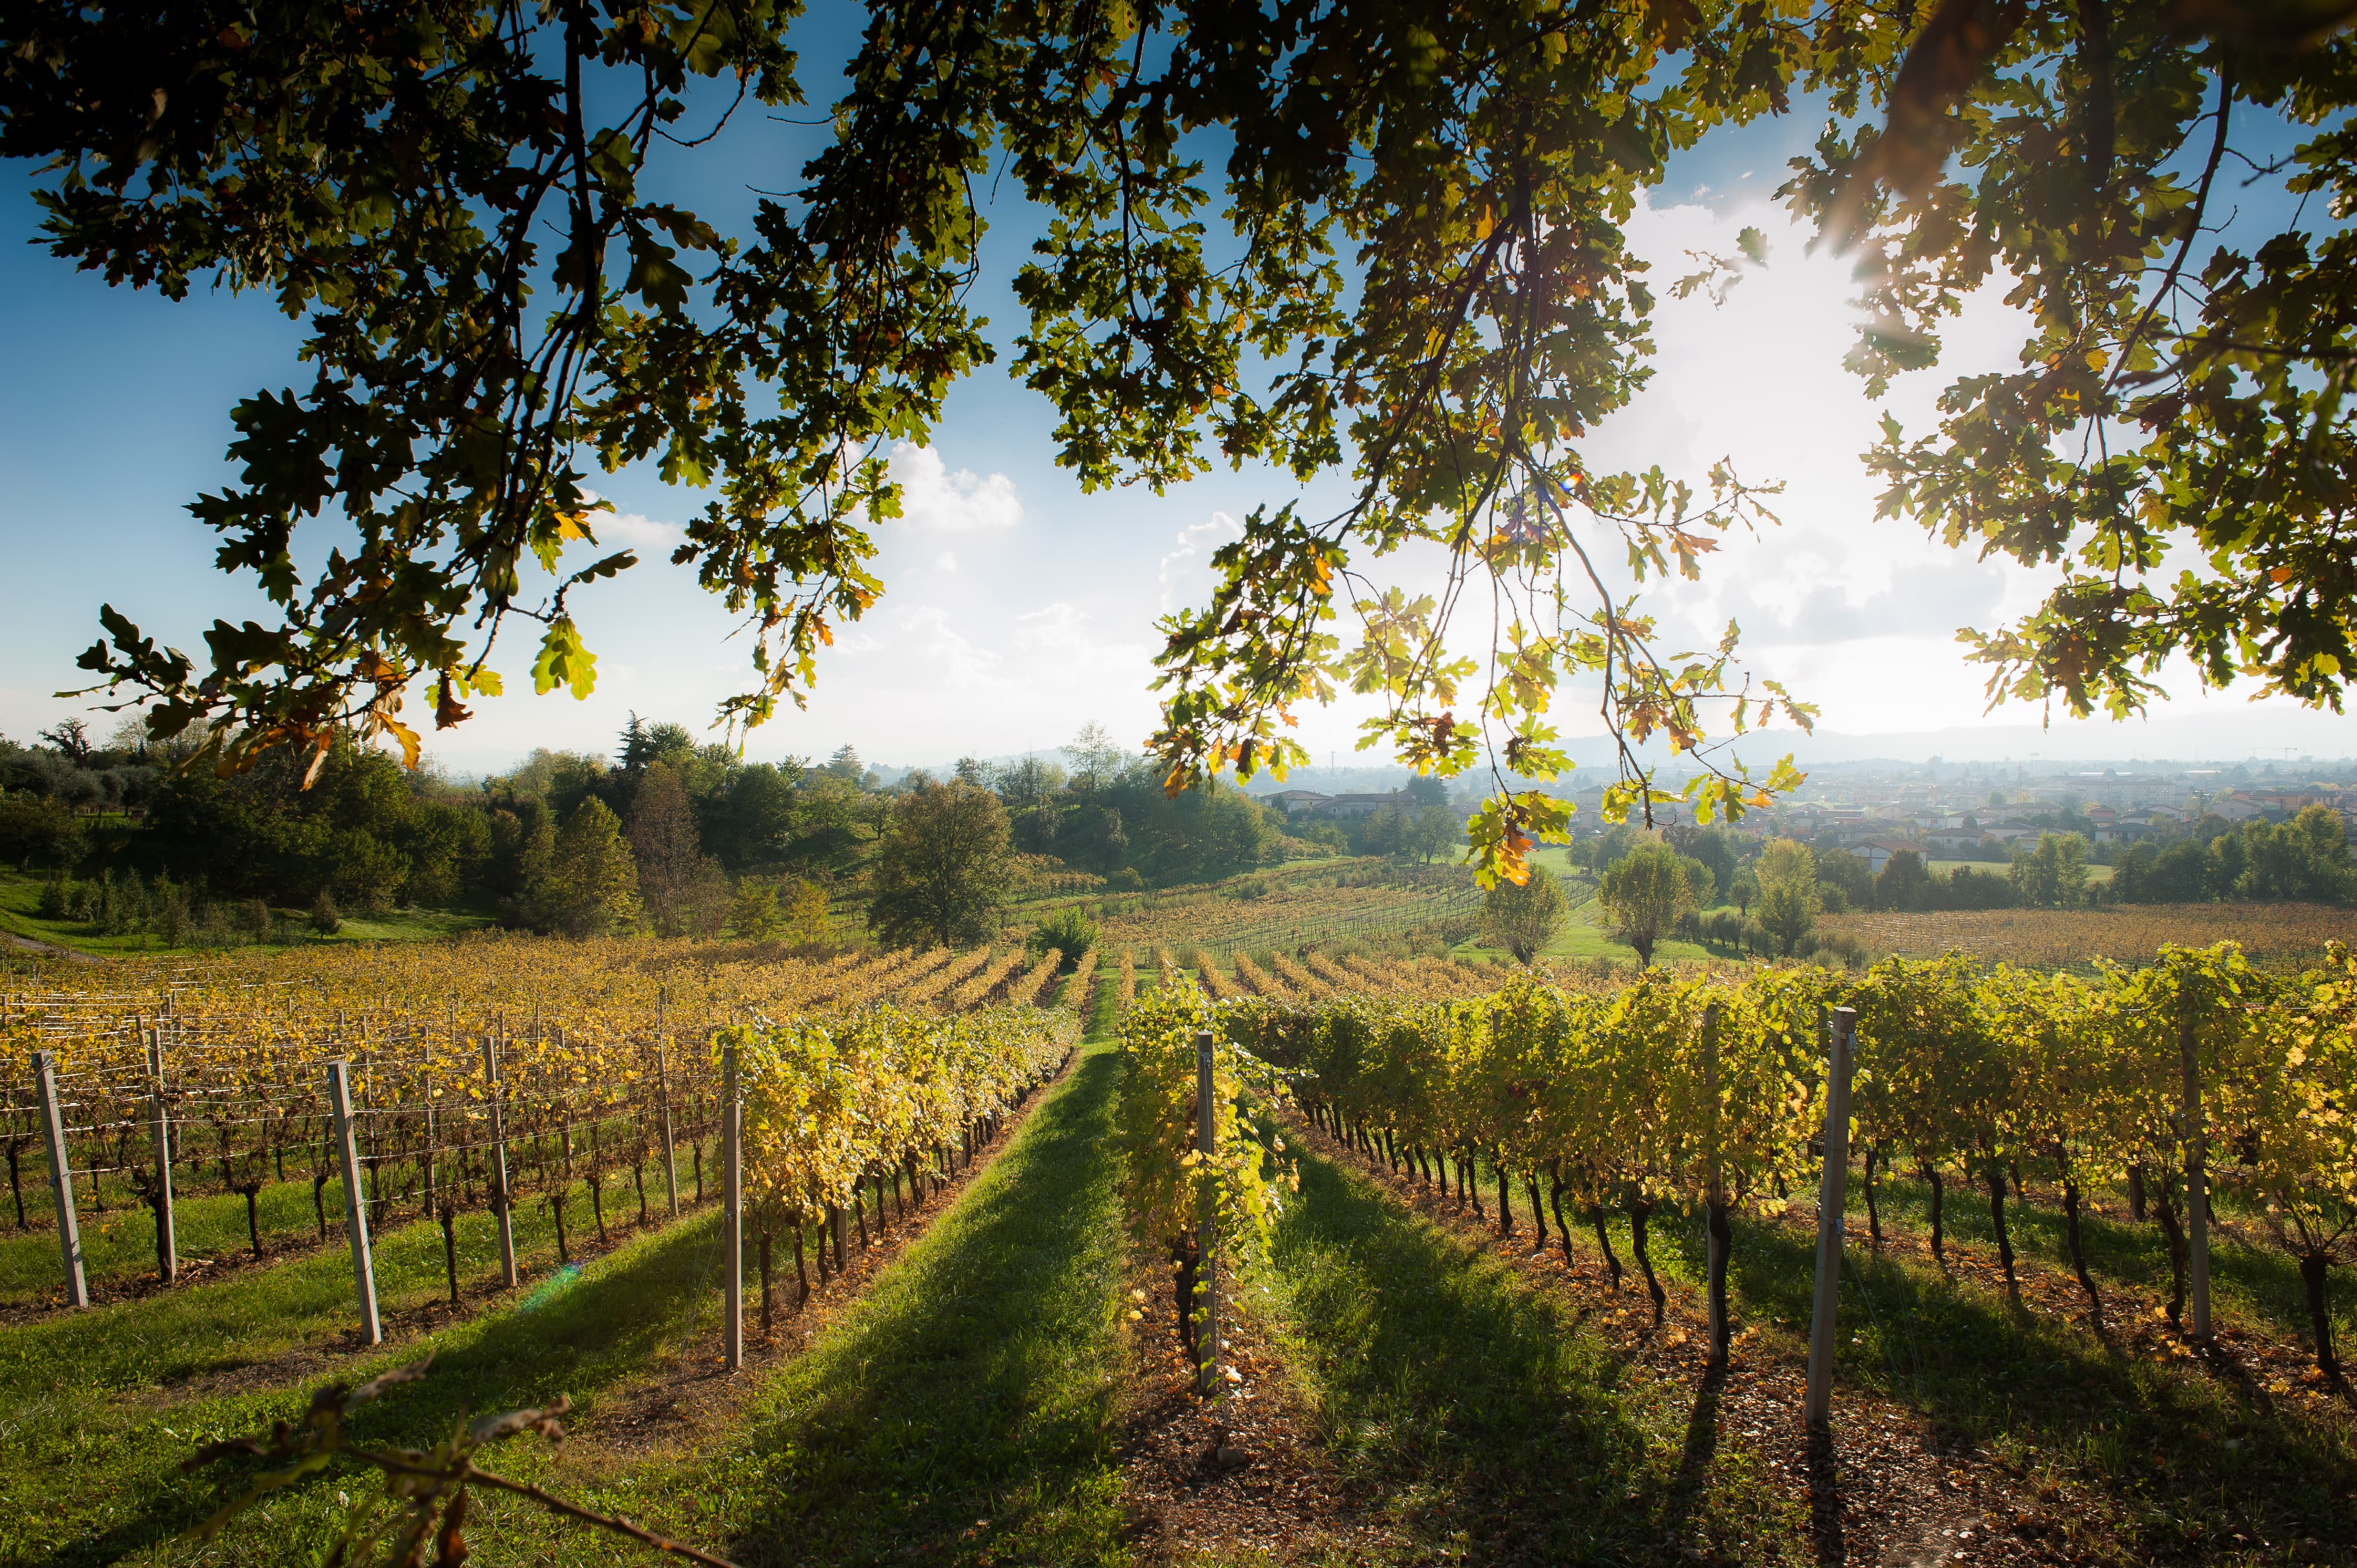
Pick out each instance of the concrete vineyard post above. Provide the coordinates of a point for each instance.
(45, 1079)
(2196, 1177)
(662, 1103)
(732, 1224)
(340, 1100)
(433, 1152)
(499, 1204)
(1713, 1192)
(432, 1197)
(159, 1124)
(1832, 1197)
(1207, 1234)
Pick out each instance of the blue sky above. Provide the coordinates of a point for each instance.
(1017, 607)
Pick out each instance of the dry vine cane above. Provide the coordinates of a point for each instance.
(426, 1490)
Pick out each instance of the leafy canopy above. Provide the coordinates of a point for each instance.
(1409, 268)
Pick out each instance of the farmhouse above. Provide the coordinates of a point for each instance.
(1310, 804)
(1877, 852)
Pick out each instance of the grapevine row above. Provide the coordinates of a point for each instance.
(1709, 1092)
(602, 1049)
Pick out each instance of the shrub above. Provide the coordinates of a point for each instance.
(1068, 930)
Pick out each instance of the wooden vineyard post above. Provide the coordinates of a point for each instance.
(732, 1223)
(2197, 1176)
(340, 1100)
(159, 1123)
(663, 1101)
(1207, 1233)
(1714, 1227)
(1832, 1197)
(45, 1077)
(500, 1205)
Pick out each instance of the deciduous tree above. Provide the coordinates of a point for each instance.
(592, 885)
(2054, 875)
(1412, 275)
(1787, 874)
(682, 886)
(1524, 919)
(944, 869)
(1646, 892)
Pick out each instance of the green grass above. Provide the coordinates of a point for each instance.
(963, 1413)
(1584, 934)
(2182, 1465)
(101, 1405)
(120, 1245)
(2095, 874)
(20, 898)
(2247, 1284)
(1479, 1415)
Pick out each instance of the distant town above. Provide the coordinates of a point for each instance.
(1977, 810)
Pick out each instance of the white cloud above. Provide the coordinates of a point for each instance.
(1924, 600)
(1198, 538)
(935, 501)
(1058, 625)
(946, 561)
(959, 661)
(636, 528)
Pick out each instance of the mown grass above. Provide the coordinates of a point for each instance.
(1487, 1422)
(20, 899)
(2256, 1286)
(963, 1411)
(119, 1245)
(99, 1407)
(2190, 1463)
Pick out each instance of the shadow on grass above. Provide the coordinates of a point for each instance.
(2258, 1283)
(577, 1333)
(299, 1306)
(1476, 1409)
(2189, 1458)
(964, 1412)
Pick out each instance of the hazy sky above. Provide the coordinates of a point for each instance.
(1017, 607)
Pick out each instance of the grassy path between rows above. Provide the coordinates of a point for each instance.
(964, 1411)
(98, 1409)
(1484, 1420)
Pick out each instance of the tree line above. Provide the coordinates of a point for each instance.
(1765, 896)
(667, 834)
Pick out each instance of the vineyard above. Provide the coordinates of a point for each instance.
(826, 1275)
(2275, 936)
(484, 1076)
(2217, 1096)
(1290, 910)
